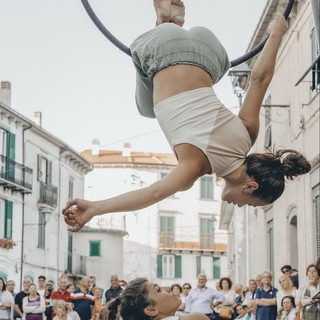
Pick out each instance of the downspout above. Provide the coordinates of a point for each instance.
(23, 210)
(59, 208)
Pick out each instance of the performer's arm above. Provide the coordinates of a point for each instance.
(261, 76)
(78, 212)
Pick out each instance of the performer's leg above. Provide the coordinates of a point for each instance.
(163, 10)
(177, 12)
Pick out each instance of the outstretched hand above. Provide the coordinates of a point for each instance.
(278, 25)
(77, 213)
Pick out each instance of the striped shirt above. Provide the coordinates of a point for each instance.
(83, 302)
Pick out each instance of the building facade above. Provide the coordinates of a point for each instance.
(287, 231)
(171, 241)
(39, 174)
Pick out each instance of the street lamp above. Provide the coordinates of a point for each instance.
(240, 76)
(46, 212)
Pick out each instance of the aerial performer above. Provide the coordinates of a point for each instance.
(176, 70)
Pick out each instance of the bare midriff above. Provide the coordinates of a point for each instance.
(177, 79)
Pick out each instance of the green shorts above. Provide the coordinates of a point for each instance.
(168, 45)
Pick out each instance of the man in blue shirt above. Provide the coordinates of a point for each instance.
(83, 300)
(266, 299)
(203, 299)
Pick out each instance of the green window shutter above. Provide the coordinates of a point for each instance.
(162, 224)
(41, 231)
(167, 225)
(216, 268)
(8, 219)
(206, 187)
(11, 145)
(159, 266)
(198, 265)
(39, 167)
(94, 248)
(177, 267)
(49, 172)
(3, 276)
(170, 228)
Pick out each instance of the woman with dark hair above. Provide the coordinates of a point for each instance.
(34, 305)
(144, 300)
(288, 309)
(306, 293)
(6, 302)
(176, 289)
(225, 308)
(176, 70)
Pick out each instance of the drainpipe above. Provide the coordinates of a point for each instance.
(23, 209)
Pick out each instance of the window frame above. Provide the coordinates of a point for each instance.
(206, 187)
(92, 249)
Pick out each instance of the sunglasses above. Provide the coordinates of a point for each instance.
(186, 288)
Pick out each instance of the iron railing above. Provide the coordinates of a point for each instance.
(15, 172)
(48, 194)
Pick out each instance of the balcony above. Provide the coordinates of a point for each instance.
(48, 195)
(206, 242)
(166, 240)
(15, 176)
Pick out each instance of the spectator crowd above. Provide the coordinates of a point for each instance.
(259, 300)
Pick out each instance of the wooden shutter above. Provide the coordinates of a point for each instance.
(49, 172)
(198, 265)
(159, 266)
(216, 267)
(177, 267)
(8, 219)
(316, 209)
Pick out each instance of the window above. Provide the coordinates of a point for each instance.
(216, 268)
(267, 124)
(70, 249)
(316, 210)
(8, 219)
(7, 150)
(169, 266)
(167, 227)
(210, 266)
(94, 249)
(41, 231)
(44, 170)
(315, 57)
(270, 244)
(70, 190)
(206, 187)
(206, 233)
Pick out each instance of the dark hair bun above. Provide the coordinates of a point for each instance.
(294, 164)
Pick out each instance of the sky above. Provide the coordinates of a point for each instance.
(59, 63)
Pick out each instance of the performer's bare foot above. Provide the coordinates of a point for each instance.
(163, 10)
(177, 12)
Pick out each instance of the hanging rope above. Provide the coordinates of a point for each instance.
(127, 51)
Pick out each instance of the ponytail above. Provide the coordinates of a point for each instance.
(270, 169)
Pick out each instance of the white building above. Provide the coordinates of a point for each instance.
(171, 241)
(39, 173)
(287, 231)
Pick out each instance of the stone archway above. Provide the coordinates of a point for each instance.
(293, 237)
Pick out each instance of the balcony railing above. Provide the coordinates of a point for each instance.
(48, 194)
(14, 175)
(166, 240)
(206, 242)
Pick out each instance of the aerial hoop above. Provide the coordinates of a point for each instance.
(126, 50)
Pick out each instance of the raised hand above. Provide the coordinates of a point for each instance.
(77, 213)
(278, 25)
